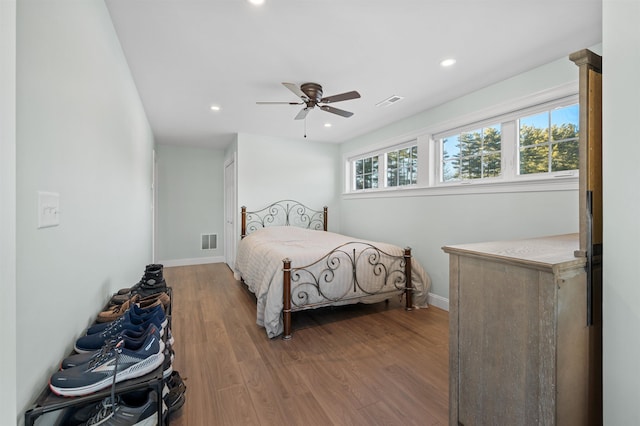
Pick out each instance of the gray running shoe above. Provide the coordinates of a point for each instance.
(127, 412)
(116, 364)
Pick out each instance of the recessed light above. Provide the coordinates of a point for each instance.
(447, 62)
(256, 2)
(215, 107)
(328, 124)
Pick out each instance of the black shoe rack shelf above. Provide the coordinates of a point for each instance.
(48, 401)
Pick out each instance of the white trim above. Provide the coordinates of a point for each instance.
(380, 147)
(438, 301)
(514, 106)
(428, 180)
(192, 261)
(486, 114)
(230, 196)
(560, 183)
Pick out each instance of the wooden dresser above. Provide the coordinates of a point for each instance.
(519, 341)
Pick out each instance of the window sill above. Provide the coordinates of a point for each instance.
(560, 183)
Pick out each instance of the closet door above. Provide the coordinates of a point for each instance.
(230, 212)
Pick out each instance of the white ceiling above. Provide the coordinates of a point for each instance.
(186, 55)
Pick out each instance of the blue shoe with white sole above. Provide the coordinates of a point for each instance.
(115, 365)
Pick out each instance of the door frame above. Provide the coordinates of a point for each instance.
(230, 210)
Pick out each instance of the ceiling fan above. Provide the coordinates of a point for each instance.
(310, 95)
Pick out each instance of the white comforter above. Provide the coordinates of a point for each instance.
(259, 264)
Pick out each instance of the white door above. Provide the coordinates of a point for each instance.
(230, 211)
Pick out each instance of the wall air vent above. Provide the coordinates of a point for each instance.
(209, 241)
(389, 101)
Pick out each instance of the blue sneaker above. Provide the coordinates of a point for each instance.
(134, 315)
(113, 366)
(132, 340)
(93, 342)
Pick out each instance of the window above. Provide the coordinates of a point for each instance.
(471, 155)
(366, 173)
(395, 167)
(402, 166)
(548, 141)
(536, 142)
(530, 144)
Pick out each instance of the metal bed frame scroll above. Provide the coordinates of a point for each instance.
(283, 213)
(390, 274)
(338, 275)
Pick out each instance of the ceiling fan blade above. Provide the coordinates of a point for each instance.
(336, 111)
(295, 89)
(279, 103)
(341, 97)
(303, 113)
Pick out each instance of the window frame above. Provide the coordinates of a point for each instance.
(429, 167)
(354, 174)
(398, 168)
(435, 139)
(382, 167)
(550, 141)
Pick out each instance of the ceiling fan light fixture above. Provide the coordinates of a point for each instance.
(311, 96)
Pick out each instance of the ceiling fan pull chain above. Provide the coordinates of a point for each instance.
(305, 127)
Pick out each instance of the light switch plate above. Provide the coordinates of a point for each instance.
(48, 209)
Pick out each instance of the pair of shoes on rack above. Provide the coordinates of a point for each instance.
(152, 282)
(132, 340)
(135, 319)
(115, 311)
(174, 392)
(131, 408)
(116, 361)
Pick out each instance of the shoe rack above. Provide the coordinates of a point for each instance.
(48, 402)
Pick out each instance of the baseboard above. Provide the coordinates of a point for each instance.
(438, 301)
(192, 261)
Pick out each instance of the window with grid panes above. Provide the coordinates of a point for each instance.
(548, 141)
(366, 173)
(503, 150)
(475, 154)
(402, 166)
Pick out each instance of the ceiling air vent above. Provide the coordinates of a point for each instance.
(389, 101)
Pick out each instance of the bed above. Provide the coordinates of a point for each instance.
(289, 260)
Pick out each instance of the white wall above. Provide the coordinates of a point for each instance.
(426, 223)
(621, 150)
(272, 169)
(190, 203)
(81, 132)
(8, 211)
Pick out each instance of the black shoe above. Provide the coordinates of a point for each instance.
(152, 282)
(175, 397)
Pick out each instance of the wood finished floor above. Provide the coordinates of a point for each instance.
(354, 365)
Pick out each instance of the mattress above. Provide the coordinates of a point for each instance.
(259, 263)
